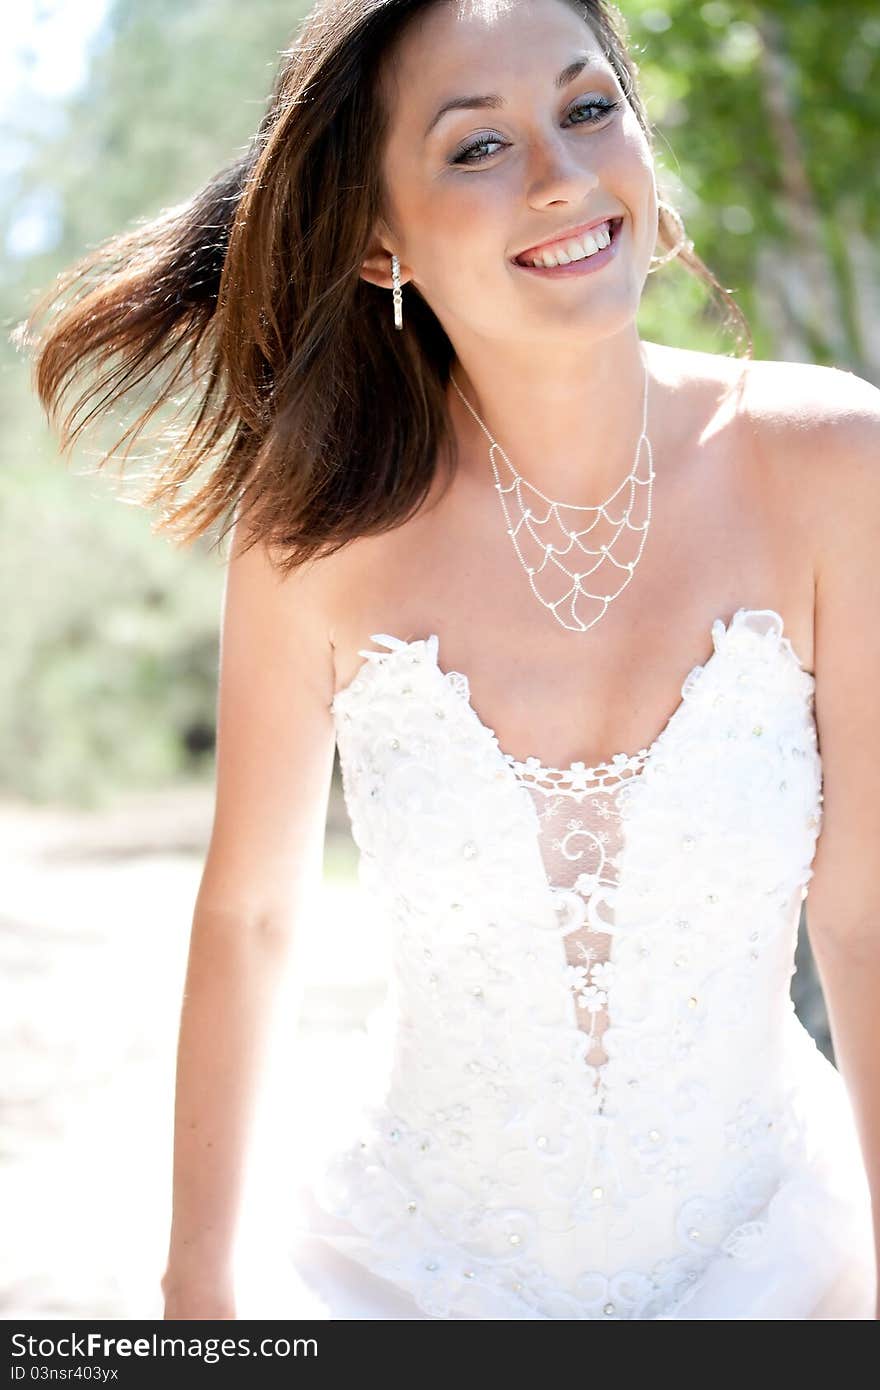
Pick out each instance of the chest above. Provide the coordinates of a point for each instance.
(557, 696)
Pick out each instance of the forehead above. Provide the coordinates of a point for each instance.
(458, 46)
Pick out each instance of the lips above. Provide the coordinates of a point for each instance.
(561, 237)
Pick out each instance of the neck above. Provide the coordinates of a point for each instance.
(569, 427)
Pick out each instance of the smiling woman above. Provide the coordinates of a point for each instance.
(255, 297)
(586, 1094)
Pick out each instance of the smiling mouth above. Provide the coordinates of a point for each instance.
(551, 248)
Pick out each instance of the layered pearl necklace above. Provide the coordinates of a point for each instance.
(552, 553)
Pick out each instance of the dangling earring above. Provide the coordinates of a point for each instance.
(683, 242)
(397, 293)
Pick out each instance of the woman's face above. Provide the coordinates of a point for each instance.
(470, 189)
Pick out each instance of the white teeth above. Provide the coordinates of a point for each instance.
(577, 249)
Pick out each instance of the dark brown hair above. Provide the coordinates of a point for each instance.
(322, 421)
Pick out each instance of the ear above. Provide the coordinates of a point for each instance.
(376, 265)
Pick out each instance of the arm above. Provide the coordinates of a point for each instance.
(275, 746)
(843, 907)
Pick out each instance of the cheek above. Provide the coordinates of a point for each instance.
(466, 228)
(630, 173)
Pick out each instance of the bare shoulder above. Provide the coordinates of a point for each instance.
(811, 431)
(817, 429)
(805, 400)
(806, 439)
(784, 401)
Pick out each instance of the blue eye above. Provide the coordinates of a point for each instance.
(599, 105)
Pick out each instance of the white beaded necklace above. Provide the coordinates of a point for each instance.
(551, 552)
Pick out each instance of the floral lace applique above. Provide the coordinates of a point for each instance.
(593, 1076)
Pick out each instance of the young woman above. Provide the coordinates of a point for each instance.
(592, 622)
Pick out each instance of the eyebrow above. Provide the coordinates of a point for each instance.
(493, 101)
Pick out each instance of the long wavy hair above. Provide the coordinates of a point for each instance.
(318, 421)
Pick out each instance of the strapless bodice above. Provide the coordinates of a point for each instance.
(592, 1096)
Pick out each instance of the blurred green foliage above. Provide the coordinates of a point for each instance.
(766, 119)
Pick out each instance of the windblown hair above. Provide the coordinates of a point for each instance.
(321, 421)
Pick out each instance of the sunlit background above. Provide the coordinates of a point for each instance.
(112, 109)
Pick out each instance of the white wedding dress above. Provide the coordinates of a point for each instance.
(590, 1094)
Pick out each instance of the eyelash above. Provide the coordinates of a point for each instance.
(601, 103)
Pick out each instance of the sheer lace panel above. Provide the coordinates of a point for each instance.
(580, 839)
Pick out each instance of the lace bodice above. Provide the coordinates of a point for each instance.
(587, 1063)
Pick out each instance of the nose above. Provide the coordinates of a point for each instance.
(558, 173)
